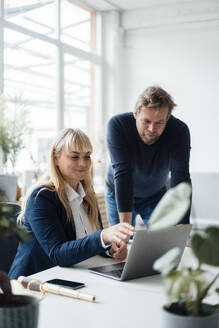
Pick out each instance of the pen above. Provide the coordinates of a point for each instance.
(37, 285)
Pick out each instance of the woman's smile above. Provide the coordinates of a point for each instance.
(73, 166)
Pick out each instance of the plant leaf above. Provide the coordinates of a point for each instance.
(168, 262)
(172, 207)
(23, 235)
(205, 290)
(183, 287)
(206, 246)
(177, 285)
(9, 227)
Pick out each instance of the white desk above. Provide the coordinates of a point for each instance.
(135, 303)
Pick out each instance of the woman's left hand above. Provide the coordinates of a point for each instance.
(119, 252)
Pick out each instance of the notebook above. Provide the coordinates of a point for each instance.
(147, 246)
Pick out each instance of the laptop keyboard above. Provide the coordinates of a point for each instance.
(115, 273)
(114, 270)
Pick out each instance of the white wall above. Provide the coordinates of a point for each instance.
(187, 65)
(184, 59)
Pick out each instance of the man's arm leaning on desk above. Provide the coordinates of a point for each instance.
(125, 217)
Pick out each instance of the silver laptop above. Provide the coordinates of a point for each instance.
(147, 246)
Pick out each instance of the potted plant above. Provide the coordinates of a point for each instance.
(13, 125)
(188, 287)
(15, 310)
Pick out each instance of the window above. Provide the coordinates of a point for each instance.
(48, 57)
(77, 91)
(78, 26)
(34, 15)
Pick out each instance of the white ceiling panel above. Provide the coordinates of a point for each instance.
(100, 5)
(138, 4)
(124, 5)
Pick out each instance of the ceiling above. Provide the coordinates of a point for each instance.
(138, 4)
(124, 5)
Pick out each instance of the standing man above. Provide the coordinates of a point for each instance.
(146, 148)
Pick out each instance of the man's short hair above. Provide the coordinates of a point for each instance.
(154, 97)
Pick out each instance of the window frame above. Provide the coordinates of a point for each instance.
(61, 49)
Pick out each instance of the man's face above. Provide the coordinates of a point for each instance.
(150, 123)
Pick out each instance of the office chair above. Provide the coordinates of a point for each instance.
(8, 246)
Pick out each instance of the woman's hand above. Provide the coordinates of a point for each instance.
(119, 252)
(119, 233)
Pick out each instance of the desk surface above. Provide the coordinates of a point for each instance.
(133, 303)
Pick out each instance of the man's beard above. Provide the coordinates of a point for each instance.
(149, 141)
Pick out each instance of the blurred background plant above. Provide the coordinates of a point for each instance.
(10, 231)
(3, 197)
(9, 227)
(13, 127)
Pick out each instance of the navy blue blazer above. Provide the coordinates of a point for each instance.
(53, 240)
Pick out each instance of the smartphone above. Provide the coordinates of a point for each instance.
(66, 283)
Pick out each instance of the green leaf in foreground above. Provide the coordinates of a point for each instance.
(168, 262)
(172, 207)
(206, 246)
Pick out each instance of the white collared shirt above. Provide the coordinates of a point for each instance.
(83, 227)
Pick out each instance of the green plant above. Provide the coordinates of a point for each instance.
(9, 227)
(13, 125)
(188, 287)
(3, 197)
(4, 135)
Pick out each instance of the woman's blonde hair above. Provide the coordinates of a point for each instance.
(72, 140)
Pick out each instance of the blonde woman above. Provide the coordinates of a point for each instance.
(61, 214)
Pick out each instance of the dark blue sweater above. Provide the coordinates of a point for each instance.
(52, 238)
(139, 170)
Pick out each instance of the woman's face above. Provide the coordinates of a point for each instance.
(73, 166)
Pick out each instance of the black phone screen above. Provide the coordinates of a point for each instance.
(66, 283)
